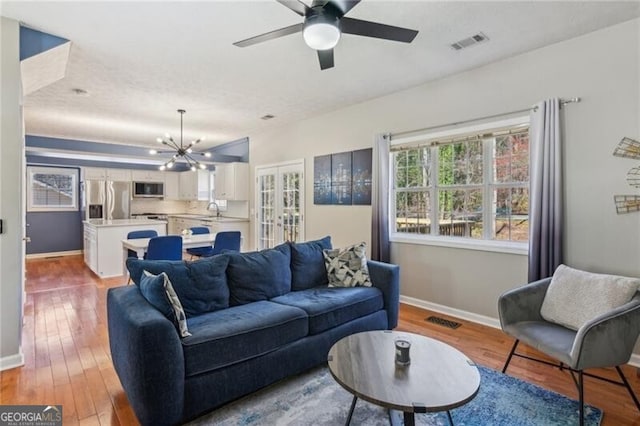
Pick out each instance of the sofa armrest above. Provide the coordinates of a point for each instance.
(523, 303)
(147, 355)
(386, 277)
(608, 340)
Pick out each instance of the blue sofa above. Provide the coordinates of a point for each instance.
(254, 318)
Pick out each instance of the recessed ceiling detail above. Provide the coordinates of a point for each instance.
(470, 41)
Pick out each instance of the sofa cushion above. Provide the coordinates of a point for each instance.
(307, 264)
(347, 267)
(259, 275)
(329, 307)
(201, 286)
(240, 333)
(575, 297)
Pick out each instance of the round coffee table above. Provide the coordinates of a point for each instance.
(439, 377)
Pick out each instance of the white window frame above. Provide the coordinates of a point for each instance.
(33, 170)
(500, 246)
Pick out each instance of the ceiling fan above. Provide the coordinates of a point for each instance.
(323, 24)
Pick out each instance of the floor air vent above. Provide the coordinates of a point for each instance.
(443, 322)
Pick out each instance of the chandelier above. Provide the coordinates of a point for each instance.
(181, 151)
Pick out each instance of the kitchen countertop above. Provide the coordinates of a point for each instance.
(123, 222)
(208, 218)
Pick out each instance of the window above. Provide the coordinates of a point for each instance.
(52, 189)
(463, 186)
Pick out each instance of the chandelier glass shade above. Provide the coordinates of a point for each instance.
(181, 150)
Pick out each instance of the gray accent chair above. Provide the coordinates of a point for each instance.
(605, 341)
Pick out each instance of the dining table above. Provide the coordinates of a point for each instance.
(140, 245)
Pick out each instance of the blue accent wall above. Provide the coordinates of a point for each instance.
(33, 42)
(54, 231)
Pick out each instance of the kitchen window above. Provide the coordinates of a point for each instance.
(52, 189)
(463, 189)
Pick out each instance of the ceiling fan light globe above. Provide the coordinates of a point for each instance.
(202, 166)
(153, 151)
(189, 150)
(193, 168)
(321, 35)
(159, 140)
(162, 167)
(207, 154)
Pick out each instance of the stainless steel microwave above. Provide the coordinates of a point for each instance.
(148, 189)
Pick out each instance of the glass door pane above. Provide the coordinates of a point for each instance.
(266, 236)
(291, 206)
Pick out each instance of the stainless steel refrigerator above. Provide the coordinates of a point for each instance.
(107, 200)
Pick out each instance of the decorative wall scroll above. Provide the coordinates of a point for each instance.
(343, 178)
(628, 148)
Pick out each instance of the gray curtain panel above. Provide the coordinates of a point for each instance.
(546, 198)
(380, 249)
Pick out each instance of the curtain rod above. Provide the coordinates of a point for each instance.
(390, 136)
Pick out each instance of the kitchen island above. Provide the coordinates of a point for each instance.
(103, 242)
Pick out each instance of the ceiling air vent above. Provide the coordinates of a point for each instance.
(469, 41)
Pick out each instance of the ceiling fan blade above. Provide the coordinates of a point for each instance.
(343, 6)
(374, 29)
(269, 36)
(296, 5)
(326, 58)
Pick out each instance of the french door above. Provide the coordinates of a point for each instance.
(279, 204)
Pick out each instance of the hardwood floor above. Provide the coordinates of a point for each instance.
(67, 360)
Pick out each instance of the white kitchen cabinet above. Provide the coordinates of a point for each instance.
(171, 186)
(92, 173)
(103, 251)
(118, 175)
(194, 186)
(232, 181)
(147, 176)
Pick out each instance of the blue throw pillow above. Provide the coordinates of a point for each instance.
(307, 264)
(201, 286)
(158, 291)
(259, 275)
(152, 288)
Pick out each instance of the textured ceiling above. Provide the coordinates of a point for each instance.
(140, 61)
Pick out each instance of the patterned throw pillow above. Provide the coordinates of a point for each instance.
(347, 267)
(172, 297)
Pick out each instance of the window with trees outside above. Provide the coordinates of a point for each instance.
(463, 187)
(52, 189)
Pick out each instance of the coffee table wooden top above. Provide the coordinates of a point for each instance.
(439, 377)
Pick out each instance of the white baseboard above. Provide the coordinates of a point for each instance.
(479, 319)
(53, 254)
(11, 361)
(459, 313)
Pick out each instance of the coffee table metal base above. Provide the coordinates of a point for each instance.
(394, 416)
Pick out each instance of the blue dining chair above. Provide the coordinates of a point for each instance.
(145, 233)
(168, 247)
(227, 240)
(200, 251)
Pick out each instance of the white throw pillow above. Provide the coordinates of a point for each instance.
(347, 267)
(575, 297)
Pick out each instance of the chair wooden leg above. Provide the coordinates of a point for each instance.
(513, 349)
(581, 396)
(626, 384)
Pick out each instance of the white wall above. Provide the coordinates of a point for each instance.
(11, 210)
(601, 67)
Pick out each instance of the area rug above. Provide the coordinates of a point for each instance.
(314, 398)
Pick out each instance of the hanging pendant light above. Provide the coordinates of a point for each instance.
(181, 151)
